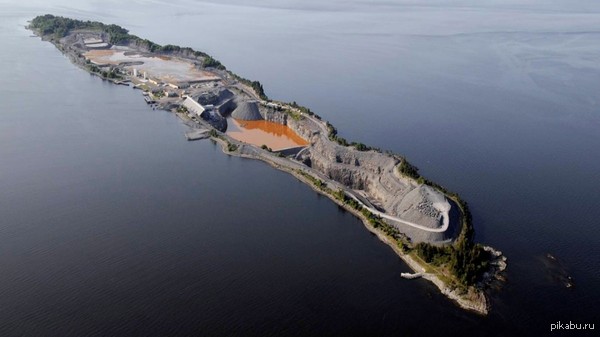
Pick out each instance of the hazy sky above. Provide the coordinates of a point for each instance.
(542, 5)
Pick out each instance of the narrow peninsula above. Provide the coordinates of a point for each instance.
(429, 227)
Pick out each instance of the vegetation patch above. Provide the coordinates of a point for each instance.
(255, 85)
(231, 147)
(465, 261)
(333, 136)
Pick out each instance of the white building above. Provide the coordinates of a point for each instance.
(193, 106)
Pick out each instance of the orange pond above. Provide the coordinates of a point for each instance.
(273, 135)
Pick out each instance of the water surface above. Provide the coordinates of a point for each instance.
(113, 224)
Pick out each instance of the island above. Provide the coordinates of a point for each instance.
(428, 227)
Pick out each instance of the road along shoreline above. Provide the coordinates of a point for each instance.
(420, 220)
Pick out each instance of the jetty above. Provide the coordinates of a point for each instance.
(197, 134)
(410, 276)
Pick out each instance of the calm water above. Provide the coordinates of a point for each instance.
(112, 224)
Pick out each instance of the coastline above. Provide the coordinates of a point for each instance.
(472, 299)
(479, 305)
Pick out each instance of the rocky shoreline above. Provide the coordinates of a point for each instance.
(376, 187)
(475, 301)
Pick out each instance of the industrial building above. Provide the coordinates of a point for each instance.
(193, 107)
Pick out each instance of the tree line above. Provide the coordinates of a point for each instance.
(59, 27)
(466, 260)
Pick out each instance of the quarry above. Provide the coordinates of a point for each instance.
(215, 103)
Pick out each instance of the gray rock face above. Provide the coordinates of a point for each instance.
(425, 214)
(271, 115)
(376, 176)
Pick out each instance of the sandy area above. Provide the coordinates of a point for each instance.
(98, 55)
(166, 69)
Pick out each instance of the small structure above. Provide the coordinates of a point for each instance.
(101, 45)
(178, 85)
(153, 80)
(197, 134)
(92, 40)
(148, 100)
(95, 43)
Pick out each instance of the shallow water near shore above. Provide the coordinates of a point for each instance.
(113, 224)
